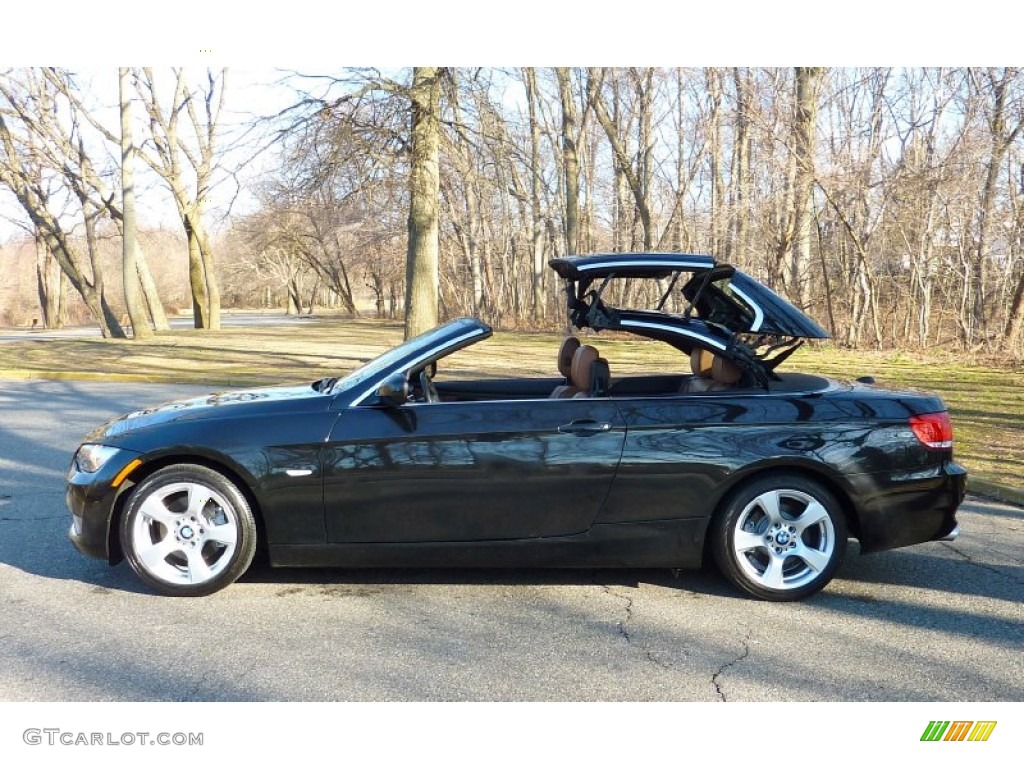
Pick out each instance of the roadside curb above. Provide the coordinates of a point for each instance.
(996, 491)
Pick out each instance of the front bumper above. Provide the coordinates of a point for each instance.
(898, 510)
(91, 499)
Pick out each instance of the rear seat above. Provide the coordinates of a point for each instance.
(593, 377)
(711, 372)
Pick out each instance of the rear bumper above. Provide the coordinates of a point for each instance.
(901, 509)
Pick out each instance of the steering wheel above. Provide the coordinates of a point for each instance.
(427, 384)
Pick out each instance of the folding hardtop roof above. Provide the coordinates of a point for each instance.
(653, 265)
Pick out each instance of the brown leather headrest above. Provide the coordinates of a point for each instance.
(725, 371)
(565, 353)
(701, 361)
(581, 361)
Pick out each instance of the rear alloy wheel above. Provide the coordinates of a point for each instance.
(780, 538)
(188, 531)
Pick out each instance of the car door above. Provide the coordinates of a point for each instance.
(679, 450)
(470, 471)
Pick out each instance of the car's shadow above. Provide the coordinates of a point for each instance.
(703, 581)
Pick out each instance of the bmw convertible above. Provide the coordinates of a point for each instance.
(722, 458)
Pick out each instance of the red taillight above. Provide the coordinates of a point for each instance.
(934, 430)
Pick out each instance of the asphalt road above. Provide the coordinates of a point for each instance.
(232, 320)
(937, 621)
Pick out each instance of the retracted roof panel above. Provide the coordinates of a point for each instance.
(723, 295)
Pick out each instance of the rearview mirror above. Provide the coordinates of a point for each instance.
(394, 390)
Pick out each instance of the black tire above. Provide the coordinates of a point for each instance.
(188, 531)
(779, 537)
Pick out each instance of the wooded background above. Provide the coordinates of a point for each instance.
(885, 202)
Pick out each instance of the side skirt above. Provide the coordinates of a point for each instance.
(659, 544)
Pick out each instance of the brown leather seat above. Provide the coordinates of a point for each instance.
(725, 373)
(711, 372)
(579, 373)
(565, 354)
(590, 373)
(701, 363)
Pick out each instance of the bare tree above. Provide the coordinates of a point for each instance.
(187, 162)
(44, 149)
(1003, 109)
(637, 177)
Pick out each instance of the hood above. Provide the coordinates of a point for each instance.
(214, 405)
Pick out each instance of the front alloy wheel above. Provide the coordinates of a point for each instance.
(780, 538)
(188, 531)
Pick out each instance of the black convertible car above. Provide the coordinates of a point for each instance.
(723, 458)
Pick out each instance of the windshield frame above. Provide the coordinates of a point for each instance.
(435, 343)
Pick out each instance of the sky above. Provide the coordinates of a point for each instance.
(539, 32)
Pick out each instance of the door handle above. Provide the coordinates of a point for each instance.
(587, 427)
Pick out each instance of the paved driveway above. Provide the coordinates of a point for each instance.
(932, 622)
(228, 320)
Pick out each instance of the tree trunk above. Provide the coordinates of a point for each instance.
(209, 273)
(49, 293)
(737, 246)
(196, 277)
(62, 299)
(154, 306)
(421, 271)
(805, 124)
(536, 228)
(129, 241)
(293, 305)
(570, 162)
(713, 81)
(1015, 323)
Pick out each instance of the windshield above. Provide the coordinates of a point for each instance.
(411, 350)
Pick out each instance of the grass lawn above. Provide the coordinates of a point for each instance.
(987, 404)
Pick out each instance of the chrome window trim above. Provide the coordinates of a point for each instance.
(659, 263)
(758, 312)
(672, 329)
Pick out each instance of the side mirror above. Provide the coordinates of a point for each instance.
(394, 390)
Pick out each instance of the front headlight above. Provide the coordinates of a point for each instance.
(91, 457)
